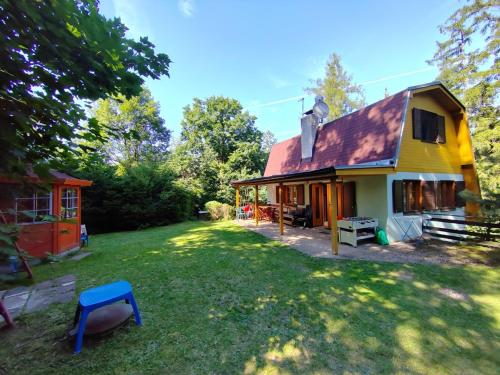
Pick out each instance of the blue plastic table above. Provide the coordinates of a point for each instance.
(94, 298)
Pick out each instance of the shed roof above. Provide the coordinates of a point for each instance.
(55, 177)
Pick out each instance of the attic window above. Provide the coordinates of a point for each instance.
(428, 126)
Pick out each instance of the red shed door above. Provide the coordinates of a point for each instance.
(69, 213)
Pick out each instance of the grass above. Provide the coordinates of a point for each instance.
(216, 298)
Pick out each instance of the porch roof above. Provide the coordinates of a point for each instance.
(288, 177)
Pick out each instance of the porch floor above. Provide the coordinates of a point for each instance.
(316, 242)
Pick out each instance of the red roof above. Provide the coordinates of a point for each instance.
(55, 177)
(368, 135)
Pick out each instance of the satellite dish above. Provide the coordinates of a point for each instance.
(320, 108)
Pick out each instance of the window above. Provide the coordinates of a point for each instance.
(69, 203)
(447, 194)
(411, 196)
(292, 194)
(412, 201)
(33, 209)
(428, 126)
(429, 196)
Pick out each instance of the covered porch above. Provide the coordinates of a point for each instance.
(316, 243)
(314, 199)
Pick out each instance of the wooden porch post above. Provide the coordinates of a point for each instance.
(237, 202)
(256, 210)
(333, 208)
(281, 208)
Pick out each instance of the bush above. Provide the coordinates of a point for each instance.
(135, 197)
(220, 211)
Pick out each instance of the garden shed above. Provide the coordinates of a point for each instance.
(48, 211)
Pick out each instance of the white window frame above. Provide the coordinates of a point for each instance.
(34, 200)
(71, 203)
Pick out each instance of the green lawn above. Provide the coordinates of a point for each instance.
(216, 298)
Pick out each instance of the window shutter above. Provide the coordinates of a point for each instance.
(441, 137)
(277, 194)
(459, 187)
(417, 123)
(452, 194)
(429, 195)
(397, 195)
(300, 194)
(439, 194)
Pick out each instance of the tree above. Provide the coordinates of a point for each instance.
(469, 67)
(54, 56)
(218, 123)
(134, 130)
(219, 143)
(340, 93)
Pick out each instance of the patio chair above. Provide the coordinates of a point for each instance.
(241, 214)
(84, 237)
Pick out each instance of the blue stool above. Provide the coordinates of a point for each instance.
(92, 299)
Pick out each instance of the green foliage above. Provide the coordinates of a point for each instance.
(340, 93)
(56, 55)
(133, 127)
(469, 66)
(132, 197)
(219, 143)
(218, 299)
(220, 211)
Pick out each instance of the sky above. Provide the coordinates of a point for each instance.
(264, 53)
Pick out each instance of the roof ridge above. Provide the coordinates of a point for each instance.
(363, 108)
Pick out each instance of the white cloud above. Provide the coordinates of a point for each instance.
(257, 104)
(399, 75)
(186, 7)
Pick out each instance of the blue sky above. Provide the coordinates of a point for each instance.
(264, 53)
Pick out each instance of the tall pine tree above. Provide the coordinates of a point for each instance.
(341, 94)
(469, 66)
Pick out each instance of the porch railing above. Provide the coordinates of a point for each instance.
(463, 228)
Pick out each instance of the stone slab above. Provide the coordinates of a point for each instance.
(80, 255)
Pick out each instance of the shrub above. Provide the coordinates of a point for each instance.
(220, 211)
(135, 197)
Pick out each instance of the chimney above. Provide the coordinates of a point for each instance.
(309, 125)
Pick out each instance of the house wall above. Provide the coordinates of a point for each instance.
(397, 223)
(371, 197)
(418, 156)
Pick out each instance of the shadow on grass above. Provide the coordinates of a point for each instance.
(304, 315)
(216, 298)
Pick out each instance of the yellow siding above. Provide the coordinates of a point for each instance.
(418, 156)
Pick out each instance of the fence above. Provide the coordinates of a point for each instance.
(463, 228)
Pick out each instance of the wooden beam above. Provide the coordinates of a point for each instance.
(333, 208)
(237, 201)
(281, 209)
(256, 210)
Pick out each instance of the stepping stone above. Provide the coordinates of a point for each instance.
(80, 255)
(15, 299)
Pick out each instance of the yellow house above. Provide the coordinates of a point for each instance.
(398, 162)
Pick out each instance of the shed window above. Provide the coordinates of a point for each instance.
(33, 209)
(428, 126)
(69, 203)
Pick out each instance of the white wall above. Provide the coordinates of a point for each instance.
(398, 223)
(371, 197)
